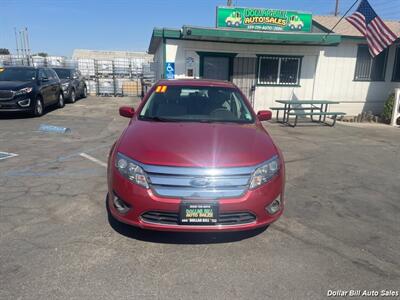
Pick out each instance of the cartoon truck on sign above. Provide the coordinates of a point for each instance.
(235, 19)
(295, 23)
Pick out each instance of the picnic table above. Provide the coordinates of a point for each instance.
(303, 108)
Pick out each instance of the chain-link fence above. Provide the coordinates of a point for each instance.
(112, 77)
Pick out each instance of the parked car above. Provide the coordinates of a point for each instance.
(72, 83)
(195, 157)
(28, 89)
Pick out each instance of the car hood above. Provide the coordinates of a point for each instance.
(196, 144)
(14, 85)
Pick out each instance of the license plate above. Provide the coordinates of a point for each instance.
(198, 213)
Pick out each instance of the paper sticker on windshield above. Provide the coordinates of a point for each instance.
(161, 89)
(1, 70)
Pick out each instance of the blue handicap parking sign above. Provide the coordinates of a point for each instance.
(170, 70)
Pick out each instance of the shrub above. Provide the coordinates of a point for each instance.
(388, 109)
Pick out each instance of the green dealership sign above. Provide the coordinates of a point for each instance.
(263, 19)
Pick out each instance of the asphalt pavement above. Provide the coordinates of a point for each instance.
(340, 230)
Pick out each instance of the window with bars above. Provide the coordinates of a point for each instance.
(279, 70)
(396, 67)
(368, 68)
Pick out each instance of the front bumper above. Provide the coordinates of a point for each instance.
(143, 200)
(13, 106)
(66, 93)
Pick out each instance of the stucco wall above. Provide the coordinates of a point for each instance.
(158, 62)
(335, 80)
(326, 73)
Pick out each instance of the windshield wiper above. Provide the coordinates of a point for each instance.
(159, 119)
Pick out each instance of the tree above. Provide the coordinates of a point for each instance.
(42, 54)
(4, 51)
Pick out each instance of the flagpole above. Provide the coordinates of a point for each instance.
(331, 30)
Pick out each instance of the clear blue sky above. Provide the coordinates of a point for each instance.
(59, 26)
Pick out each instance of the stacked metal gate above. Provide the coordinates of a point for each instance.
(104, 77)
(117, 77)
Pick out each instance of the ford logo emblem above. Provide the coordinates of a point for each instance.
(200, 182)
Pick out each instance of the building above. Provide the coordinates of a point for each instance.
(109, 55)
(272, 63)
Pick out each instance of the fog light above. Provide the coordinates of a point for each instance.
(120, 205)
(24, 103)
(274, 207)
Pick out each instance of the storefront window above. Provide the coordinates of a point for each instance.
(396, 67)
(279, 70)
(368, 68)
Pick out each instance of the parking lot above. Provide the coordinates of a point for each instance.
(340, 230)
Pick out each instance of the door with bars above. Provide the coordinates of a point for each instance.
(244, 75)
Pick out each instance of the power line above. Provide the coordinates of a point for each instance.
(355, 2)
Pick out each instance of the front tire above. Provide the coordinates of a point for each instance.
(73, 96)
(84, 92)
(60, 103)
(38, 108)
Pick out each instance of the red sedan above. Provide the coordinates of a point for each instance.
(195, 157)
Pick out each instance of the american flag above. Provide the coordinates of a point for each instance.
(377, 33)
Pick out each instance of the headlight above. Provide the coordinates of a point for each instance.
(264, 173)
(23, 91)
(130, 170)
(65, 86)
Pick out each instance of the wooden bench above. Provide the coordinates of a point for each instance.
(298, 114)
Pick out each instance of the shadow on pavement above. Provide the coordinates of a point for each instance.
(179, 237)
(25, 115)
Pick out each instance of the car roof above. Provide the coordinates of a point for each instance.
(20, 67)
(196, 82)
(62, 68)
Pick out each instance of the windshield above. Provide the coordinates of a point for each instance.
(196, 104)
(17, 74)
(63, 73)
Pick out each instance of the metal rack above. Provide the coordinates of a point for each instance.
(104, 77)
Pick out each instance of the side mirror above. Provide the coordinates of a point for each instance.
(264, 115)
(126, 111)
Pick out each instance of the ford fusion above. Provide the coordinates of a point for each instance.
(195, 157)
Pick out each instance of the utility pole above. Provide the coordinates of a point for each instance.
(23, 47)
(28, 50)
(16, 41)
(337, 8)
(229, 3)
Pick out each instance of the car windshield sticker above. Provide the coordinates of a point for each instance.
(161, 89)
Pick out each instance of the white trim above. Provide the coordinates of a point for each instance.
(396, 108)
(93, 159)
(9, 155)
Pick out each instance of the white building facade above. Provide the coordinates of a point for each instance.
(282, 66)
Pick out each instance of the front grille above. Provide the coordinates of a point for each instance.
(6, 95)
(172, 218)
(236, 218)
(160, 217)
(8, 105)
(198, 183)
